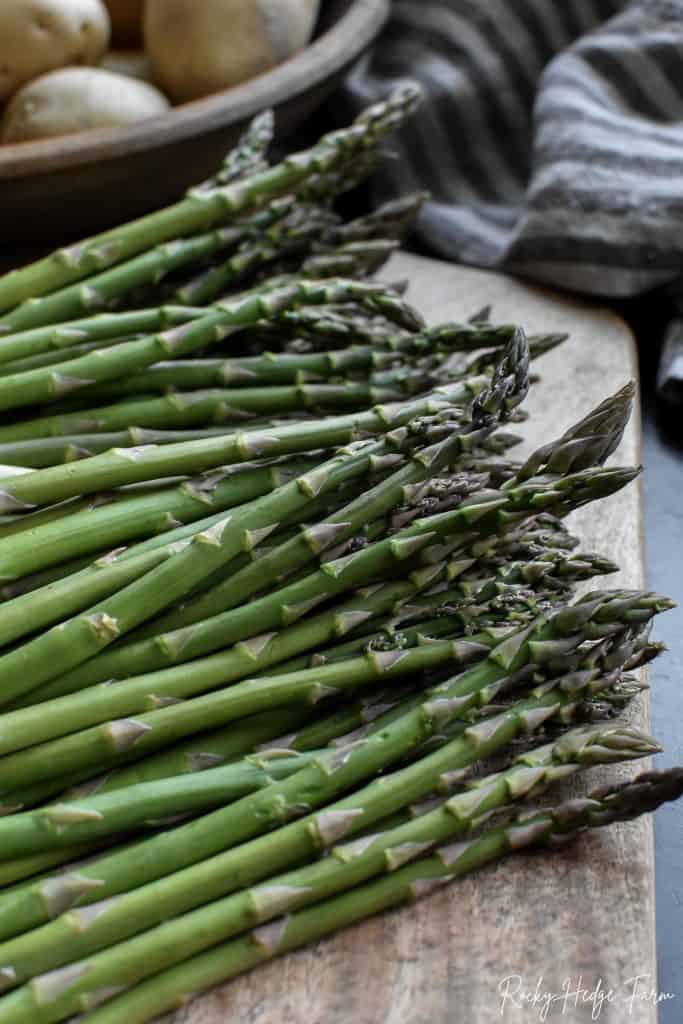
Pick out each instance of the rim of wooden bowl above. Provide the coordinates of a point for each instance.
(328, 54)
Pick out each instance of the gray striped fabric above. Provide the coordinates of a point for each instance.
(551, 137)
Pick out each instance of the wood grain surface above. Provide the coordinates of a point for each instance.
(582, 917)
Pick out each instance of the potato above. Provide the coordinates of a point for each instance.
(39, 35)
(199, 48)
(77, 100)
(126, 21)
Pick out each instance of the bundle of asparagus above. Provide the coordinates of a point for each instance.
(274, 586)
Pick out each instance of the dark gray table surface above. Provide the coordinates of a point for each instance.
(663, 521)
(663, 517)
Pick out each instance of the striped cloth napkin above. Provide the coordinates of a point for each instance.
(551, 137)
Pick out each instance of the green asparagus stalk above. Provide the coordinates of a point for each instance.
(374, 712)
(102, 290)
(60, 355)
(249, 155)
(201, 408)
(61, 379)
(104, 327)
(539, 345)
(75, 640)
(232, 591)
(201, 209)
(15, 871)
(128, 963)
(270, 368)
(506, 390)
(575, 443)
(141, 515)
(199, 753)
(324, 188)
(390, 220)
(219, 746)
(294, 233)
(449, 337)
(216, 747)
(354, 259)
(287, 368)
(631, 653)
(230, 704)
(276, 609)
(463, 608)
(46, 452)
(64, 596)
(115, 469)
(142, 806)
(402, 885)
(54, 602)
(213, 874)
(12, 526)
(294, 554)
(110, 743)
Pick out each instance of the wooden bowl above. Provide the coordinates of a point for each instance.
(66, 187)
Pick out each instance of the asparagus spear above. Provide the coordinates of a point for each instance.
(506, 390)
(62, 716)
(280, 607)
(630, 654)
(212, 748)
(479, 516)
(44, 453)
(390, 220)
(233, 590)
(87, 585)
(161, 516)
(200, 209)
(463, 608)
(404, 885)
(102, 290)
(75, 640)
(48, 383)
(104, 327)
(294, 233)
(150, 730)
(450, 337)
(248, 156)
(116, 469)
(59, 355)
(15, 871)
(129, 963)
(354, 259)
(201, 409)
(70, 824)
(288, 368)
(144, 514)
(213, 873)
(274, 368)
(208, 749)
(216, 747)
(219, 746)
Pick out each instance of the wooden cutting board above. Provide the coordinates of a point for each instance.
(583, 917)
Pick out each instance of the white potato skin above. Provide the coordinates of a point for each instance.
(37, 36)
(78, 100)
(200, 48)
